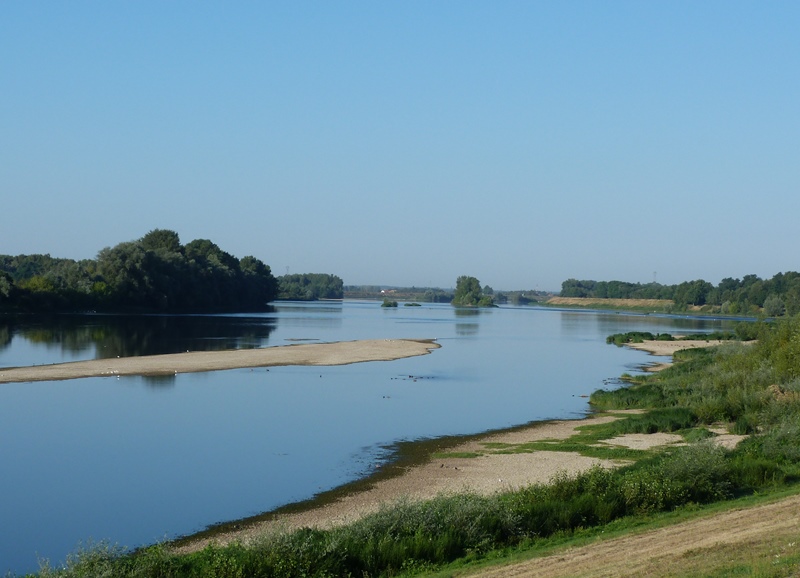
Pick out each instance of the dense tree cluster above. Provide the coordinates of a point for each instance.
(154, 273)
(776, 296)
(310, 287)
(469, 293)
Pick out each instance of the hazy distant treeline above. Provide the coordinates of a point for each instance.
(154, 273)
(776, 296)
(310, 287)
(436, 295)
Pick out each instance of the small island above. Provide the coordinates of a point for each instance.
(469, 293)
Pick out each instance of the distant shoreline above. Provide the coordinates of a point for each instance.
(334, 353)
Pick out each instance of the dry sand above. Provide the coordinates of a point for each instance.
(338, 353)
(670, 347)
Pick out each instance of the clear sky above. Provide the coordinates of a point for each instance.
(408, 143)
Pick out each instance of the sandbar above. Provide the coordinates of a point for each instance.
(335, 353)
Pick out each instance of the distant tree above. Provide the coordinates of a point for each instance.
(757, 293)
(6, 286)
(773, 306)
(154, 273)
(310, 287)
(575, 288)
(792, 297)
(125, 269)
(468, 293)
(692, 292)
(259, 286)
(161, 240)
(437, 296)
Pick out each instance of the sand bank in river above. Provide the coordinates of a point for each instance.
(338, 353)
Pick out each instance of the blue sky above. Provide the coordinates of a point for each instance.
(408, 143)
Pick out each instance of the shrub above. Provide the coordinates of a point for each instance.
(643, 490)
(702, 469)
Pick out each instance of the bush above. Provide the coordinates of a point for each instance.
(643, 490)
(702, 469)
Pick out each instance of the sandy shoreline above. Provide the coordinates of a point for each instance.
(670, 347)
(337, 353)
(491, 470)
(487, 473)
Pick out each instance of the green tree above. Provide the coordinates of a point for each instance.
(259, 286)
(310, 287)
(125, 269)
(6, 286)
(162, 240)
(154, 273)
(468, 293)
(773, 306)
(692, 292)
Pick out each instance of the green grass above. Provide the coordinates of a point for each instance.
(719, 561)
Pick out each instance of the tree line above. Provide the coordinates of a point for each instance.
(310, 287)
(777, 296)
(155, 273)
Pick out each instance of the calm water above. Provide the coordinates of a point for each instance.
(137, 460)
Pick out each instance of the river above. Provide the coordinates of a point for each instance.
(136, 460)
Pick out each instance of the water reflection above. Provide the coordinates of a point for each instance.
(466, 329)
(468, 311)
(159, 381)
(5, 335)
(106, 336)
(577, 323)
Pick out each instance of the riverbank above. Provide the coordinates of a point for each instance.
(482, 465)
(669, 348)
(335, 353)
(485, 465)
